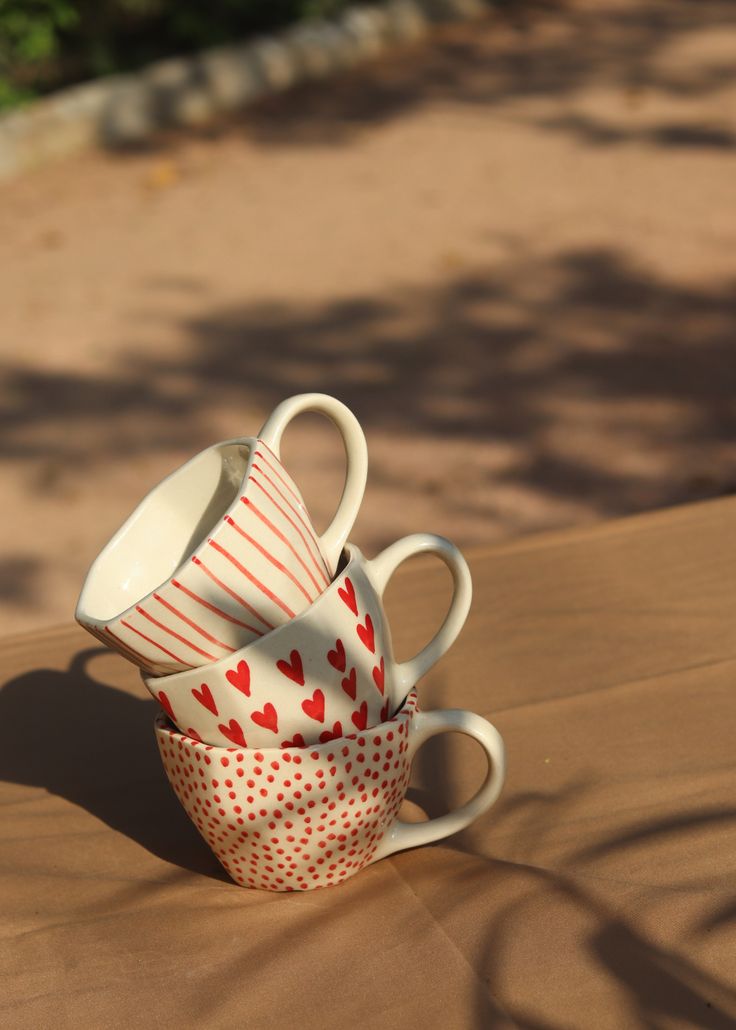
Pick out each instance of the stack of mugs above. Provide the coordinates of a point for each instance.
(287, 728)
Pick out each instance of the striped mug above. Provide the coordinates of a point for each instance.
(220, 552)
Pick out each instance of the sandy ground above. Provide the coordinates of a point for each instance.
(511, 252)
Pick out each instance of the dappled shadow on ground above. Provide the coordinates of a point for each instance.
(652, 981)
(537, 58)
(551, 52)
(580, 378)
(582, 910)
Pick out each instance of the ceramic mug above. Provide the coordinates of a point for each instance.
(221, 551)
(301, 818)
(326, 673)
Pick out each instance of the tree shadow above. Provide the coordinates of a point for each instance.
(476, 358)
(541, 390)
(655, 982)
(93, 745)
(547, 52)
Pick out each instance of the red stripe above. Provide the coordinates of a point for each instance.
(193, 624)
(173, 633)
(236, 597)
(249, 575)
(267, 554)
(274, 529)
(278, 469)
(124, 648)
(214, 608)
(307, 546)
(156, 644)
(297, 511)
(299, 508)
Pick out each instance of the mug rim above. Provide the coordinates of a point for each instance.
(175, 679)
(139, 512)
(406, 711)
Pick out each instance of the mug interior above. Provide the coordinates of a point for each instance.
(164, 531)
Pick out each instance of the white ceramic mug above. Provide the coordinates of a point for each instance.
(326, 673)
(301, 818)
(222, 551)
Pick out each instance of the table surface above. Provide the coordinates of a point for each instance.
(597, 893)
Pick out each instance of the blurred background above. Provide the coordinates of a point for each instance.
(508, 247)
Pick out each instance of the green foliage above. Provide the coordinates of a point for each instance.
(45, 44)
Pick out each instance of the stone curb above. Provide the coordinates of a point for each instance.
(127, 110)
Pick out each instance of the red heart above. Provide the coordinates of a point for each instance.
(336, 658)
(332, 734)
(384, 712)
(205, 698)
(378, 675)
(314, 707)
(347, 593)
(193, 733)
(349, 684)
(240, 678)
(367, 634)
(295, 670)
(233, 732)
(298, 741)
(166, 705)
(267, 718)
(360, 718)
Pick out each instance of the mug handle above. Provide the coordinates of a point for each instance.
(356, 454)
(380, 570)
(402, 835)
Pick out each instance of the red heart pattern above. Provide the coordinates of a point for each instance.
(347, 593)
(240, 678)
(166, 705)
(205, 698)
(367, 633)
(336, 658)
(379, 672)
(257, 825)
(350, 684)
(296, 741)
(322, 706)
(360, 717)
(267, 718)
(293, 668)
(234, 732)
(314, 707)
(332, 734)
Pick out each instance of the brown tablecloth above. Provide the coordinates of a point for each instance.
(599, 892)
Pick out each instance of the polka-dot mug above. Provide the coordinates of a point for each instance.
(299, 818)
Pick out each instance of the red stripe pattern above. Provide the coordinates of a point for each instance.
(259, 568)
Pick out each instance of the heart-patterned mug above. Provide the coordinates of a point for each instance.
(328, 672)
(222, 551)
(302, 818)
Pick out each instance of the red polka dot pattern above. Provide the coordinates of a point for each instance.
(294, 818)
